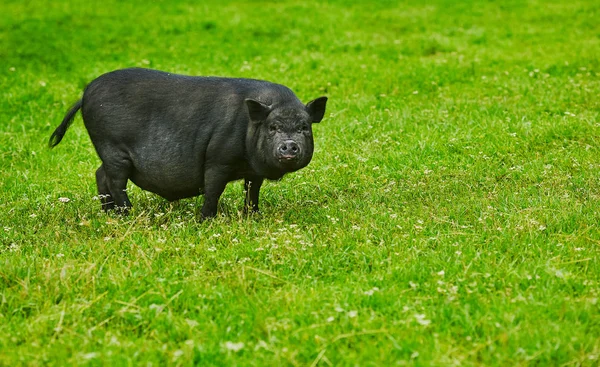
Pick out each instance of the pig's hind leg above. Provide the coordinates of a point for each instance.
(112, 187)
(106, 198)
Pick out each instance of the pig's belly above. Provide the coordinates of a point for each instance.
(173, 181)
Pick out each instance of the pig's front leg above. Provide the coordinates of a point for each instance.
(215, 180)
(251, 190)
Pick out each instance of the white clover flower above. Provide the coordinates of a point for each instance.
(421, 320)
(235, 347)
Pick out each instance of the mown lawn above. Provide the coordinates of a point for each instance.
(449, 216)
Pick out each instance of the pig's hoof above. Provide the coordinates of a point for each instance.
(251, 212)
(122, 210)
(204, 217)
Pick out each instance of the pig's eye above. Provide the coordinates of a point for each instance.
(273, 129)
(304, 128)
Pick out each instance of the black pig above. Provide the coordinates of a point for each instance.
(181, 136)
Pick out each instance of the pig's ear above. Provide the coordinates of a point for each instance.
(316, 109)
(257, 111)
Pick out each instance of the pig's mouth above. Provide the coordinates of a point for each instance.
(288, 159)
(289, 163)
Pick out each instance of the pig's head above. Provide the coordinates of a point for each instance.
(280, 138)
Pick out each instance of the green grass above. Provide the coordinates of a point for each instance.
(449, 217)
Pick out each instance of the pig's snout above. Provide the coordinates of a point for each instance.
(288, 150)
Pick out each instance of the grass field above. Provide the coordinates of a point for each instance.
(449, 216)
